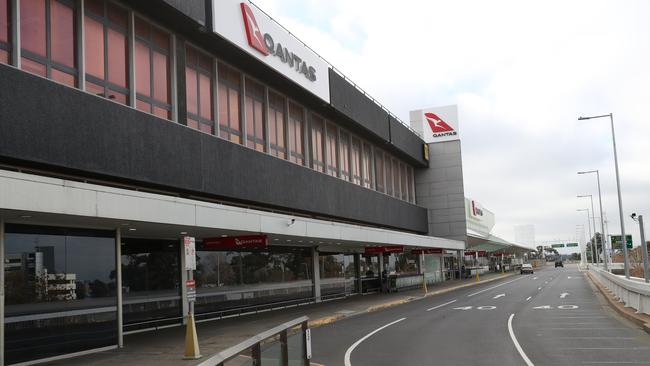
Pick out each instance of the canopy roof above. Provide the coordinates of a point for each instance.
(494, 244)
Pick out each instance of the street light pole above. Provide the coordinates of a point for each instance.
(618, 188)
(603, 235)
(593, 255)
(593, 218)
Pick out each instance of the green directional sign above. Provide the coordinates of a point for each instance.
(616, 241)
(557, 245)
(569, 245)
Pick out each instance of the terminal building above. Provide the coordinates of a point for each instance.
(127, 126)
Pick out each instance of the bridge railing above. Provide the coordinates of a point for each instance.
(633, 292)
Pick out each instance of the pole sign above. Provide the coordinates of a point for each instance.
(191, 290)
(616, 241)
(557, 246)
(249, 28)
(189, 243)
(237, 242)
(571, 245)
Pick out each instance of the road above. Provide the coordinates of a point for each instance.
(552, 317)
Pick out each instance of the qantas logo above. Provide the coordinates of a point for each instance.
(266, 45)
(439, 127)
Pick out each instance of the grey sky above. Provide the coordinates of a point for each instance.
(521, 73)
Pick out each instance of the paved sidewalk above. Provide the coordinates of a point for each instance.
(165, 347)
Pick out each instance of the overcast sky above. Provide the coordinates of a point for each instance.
(521, 73)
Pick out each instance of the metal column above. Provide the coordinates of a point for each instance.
(644, 249)
(2, 292)
(357, 272)
(118, 270)
(316, 266)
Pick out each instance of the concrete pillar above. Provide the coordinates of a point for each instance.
(184, 304)
(316, 266)
(118, 270)
(357, 272)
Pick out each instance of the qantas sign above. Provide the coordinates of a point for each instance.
(438, 124)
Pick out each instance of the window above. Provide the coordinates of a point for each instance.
(106, 50)
(356, 161)
(276, 125)
(296, 133)
(5, 31)
(396, 185)
(317, 145)
(345, 155)
(152, 70)
(332, 150)
(48, 38)
(367, 166)
(198, 86)
(389, 175)
(379, 170)
(402, 174)
(410, 179)
(229, 102)
(255, 116)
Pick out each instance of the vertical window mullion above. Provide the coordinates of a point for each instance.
(265, 121)
(131, 49)
(242, 109)
(287, 135)
(307, 158)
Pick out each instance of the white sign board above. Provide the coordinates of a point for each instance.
(308, 342)
(437, 124)
(246, 26)
(190, 253)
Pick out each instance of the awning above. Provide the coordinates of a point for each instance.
(494, 244)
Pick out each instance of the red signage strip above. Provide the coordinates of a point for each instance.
(481, 253)
(427, 251)
(385, 249)
(190, 283)
(237, 242)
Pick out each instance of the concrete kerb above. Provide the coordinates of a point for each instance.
(331, 319)
(628, 313)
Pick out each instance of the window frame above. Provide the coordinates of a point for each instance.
(316, 164)
(229, 85)
(7, 46)
(292, 152)
(332, 155)
(264, 101)
(213, 95)
(285, 115)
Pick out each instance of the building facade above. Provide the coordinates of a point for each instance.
(128, 125)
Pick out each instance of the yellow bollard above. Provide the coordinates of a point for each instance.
(477, 277)
(191, 340)
(424, 284)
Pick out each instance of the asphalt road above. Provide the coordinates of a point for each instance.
(552, 317)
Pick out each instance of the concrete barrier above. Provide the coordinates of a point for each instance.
(633, 292)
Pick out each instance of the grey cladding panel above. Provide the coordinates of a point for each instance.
(405, 140)
(194, 9)
(60, 129)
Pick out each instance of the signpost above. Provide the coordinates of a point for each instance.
(192, 351)
(616, 241)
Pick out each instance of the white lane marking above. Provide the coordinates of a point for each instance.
(545, 307)
(534, 278)
(539, 288)
(441, 305)
(567, 307)
(615, 362)
(514, 340)
(353, 346)
(528, 298)
(464, 308)
(493, 287)
(499, 295)
(568, 277)
(487, 307)
(563, 295)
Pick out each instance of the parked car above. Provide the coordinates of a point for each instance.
(559, 264)
(526, 268)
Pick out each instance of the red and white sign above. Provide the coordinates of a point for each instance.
(190, 283)
(438, 124)
(384, 249)
(250, 29)
(481, 253)
(237, 242)
(190, 253)
(427, 251)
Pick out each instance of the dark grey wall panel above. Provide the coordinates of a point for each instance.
(348, 100)
(51, 126)
(194, 9)
(407, 141)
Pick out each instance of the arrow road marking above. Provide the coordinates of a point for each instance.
(463, 308)
(563, 295)
(495, 286)
(441, 305)
(348, 353)
(489, 307)
(567, 307)
(544, 307)
(499, 295)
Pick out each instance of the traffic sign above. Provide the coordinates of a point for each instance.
(557, 246)
(191, 294)
(616, 241)
(569, 245)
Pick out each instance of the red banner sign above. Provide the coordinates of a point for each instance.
(237, 242)
(385, 249)
(481, 253)
(190, 283)
(427, 251)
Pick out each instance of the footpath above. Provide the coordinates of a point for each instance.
(165, 347)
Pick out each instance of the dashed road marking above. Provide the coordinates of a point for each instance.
(493, 287)
(441, 305)
(528, 298)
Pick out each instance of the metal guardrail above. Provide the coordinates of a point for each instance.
(634, 292)
(253, 346)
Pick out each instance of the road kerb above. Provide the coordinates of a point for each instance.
(628, 313)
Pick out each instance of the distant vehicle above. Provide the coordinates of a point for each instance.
(526, 268)
(559, 263)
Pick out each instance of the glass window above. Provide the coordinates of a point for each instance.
(332, 150)
(402, 263)
(227, 280)
(296, 133)
(356, 161)
(150, 282)
(410, 184)
(337, 274)
(276, 125)
(389, 175)
(106, 50)
(367, 166)
(229, 102)
(345, 155)
(317, 146)
(255, 116)
(396, 180)
(198, 85)
(60, 290)
(5, 31)
(403, 186)
(152, 69)
(48, 39)
(379, 170)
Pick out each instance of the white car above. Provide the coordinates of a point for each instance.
(526, 268)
